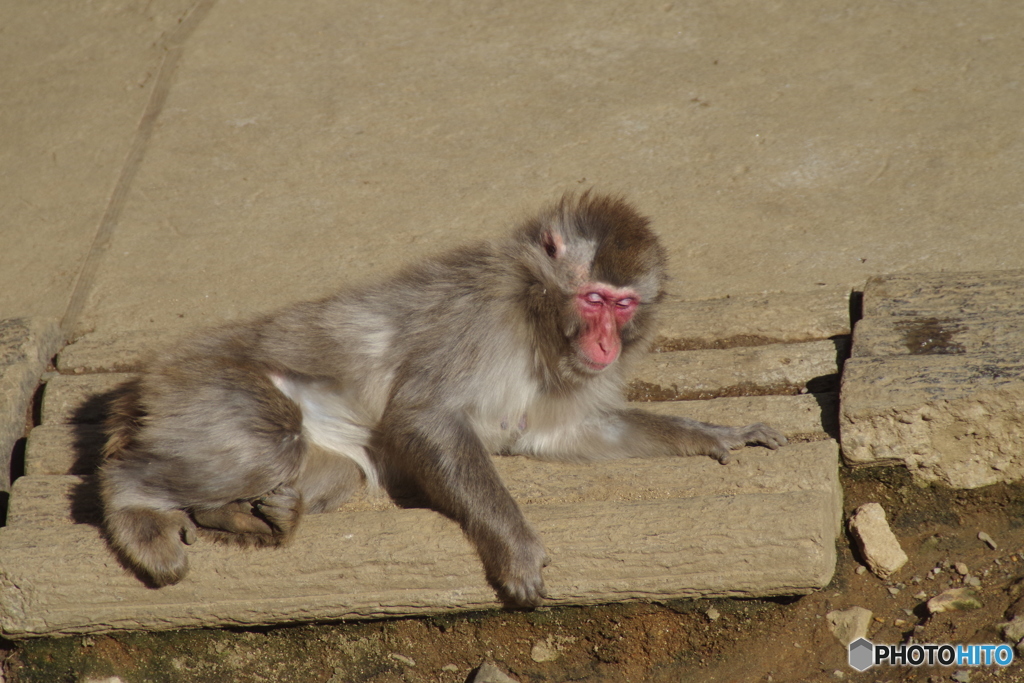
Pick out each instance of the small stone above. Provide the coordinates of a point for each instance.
(893, 591)
(899, 622)
(921, 595)
(450, 668)
(878, 544)
(837, 674)
(1014, 630)
(961, 568)
(972, 581)
(489, 673)
(861, 569)
(954, 599)
(962, 676)
(543, 652)
(982, 536)
(849, 624)
(712, 614)
(408, 661)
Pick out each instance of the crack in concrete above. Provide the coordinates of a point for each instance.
(175, 47)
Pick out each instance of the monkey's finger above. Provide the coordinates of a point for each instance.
(721, 453)
(188, 534)
(763, 435)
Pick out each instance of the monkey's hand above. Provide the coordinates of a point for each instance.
(519, 577)
(757, 434)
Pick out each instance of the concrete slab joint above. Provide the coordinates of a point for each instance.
(936, 378)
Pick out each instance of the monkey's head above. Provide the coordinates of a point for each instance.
(598, 269)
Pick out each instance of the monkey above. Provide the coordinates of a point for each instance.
(521, 344)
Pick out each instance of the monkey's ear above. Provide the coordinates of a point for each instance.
(553, 243)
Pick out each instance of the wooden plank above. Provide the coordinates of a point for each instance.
(61, 448)
(775, 369)
(49, 500)
(62, 579)
(949, 332)
(77, 398)
(757, 319)
(931, 295)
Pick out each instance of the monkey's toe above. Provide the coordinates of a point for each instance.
(281, 508)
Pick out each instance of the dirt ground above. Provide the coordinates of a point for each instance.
(778, 640)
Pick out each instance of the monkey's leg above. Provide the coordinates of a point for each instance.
(327, 480)
(266, 521)
(213, 433)
(450, 466)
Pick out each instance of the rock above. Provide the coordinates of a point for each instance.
(712, 614)
(1014, 630)
(936, 378)
(982, 536)
(26, 346)
(961, 569)
(954, 600)
(408, 661)
(489, 673)
(849, 624)
(543, 651)
(878, 545)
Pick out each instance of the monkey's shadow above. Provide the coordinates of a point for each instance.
(89, 437)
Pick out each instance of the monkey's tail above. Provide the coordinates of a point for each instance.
(123, 419)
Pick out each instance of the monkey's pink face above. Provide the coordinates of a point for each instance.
(605, 310)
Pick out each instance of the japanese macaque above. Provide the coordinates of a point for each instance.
(519, 345)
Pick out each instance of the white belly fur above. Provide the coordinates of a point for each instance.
(329, 421)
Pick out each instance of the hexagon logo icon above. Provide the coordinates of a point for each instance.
(862, 654)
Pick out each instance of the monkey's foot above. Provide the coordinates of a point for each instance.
(152, 542)
(267, 521)
(282, 509)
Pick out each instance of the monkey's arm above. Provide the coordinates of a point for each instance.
(440, 457)
(632, 433)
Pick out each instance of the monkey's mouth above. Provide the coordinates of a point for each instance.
(592, 364)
